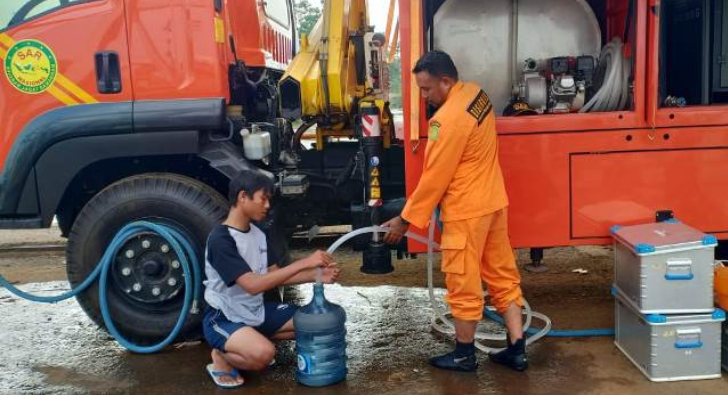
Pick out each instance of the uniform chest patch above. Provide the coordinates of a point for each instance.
(434, 132)
(480, 107)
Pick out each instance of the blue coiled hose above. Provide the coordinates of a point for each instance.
(187, 258)
(597, 332)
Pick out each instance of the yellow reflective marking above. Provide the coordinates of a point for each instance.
(5, 39)
(75, 89)
(81, 96)
(219, 30)
(61, 96)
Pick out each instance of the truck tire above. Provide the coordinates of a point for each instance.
(146, 291)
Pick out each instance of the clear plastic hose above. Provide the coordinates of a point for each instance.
(614, 92)
(441, 320)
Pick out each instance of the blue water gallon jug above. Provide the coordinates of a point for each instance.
(320, 341)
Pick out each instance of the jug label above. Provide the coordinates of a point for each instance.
(304, 364)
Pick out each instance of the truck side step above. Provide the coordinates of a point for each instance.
(21, 223)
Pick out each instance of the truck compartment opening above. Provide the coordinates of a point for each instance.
(541, 57)
(693, 48)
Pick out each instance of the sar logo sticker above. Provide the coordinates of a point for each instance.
(31, 66)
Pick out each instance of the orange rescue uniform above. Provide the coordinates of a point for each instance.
(462, 174)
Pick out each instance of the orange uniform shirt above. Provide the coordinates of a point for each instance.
(461, 173)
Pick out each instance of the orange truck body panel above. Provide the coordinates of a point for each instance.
(76, 82)
(176, 51)
(174, 54)
(570, 177)
(260, 42)
(168, 50)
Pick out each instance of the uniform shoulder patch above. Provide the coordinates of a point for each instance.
(480, 107)
(434, 133)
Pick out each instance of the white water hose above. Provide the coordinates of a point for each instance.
(614, 93)
(441, 321)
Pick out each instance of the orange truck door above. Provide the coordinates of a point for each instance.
(178, 49)
(62, 61)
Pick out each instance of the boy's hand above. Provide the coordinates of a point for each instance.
(318, 259)
(330, 274)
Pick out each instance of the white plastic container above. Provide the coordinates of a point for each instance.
(256, 144)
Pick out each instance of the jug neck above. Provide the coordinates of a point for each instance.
(318, 295)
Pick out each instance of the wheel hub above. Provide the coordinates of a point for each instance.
(147, 269)
(152, 268)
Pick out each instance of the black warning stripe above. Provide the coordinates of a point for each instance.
(480, 107)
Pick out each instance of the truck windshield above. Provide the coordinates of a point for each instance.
(15, 12)
(278, 11)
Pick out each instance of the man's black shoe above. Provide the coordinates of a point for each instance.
(459, 364)
(514, 356)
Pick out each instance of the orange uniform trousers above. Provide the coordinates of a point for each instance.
(476, 250)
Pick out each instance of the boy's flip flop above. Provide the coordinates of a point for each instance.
(216, 374)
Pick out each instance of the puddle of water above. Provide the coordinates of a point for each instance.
(40, 340)
(56, 349)
(63, 376)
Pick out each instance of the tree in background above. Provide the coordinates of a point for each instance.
(306, 15)
(395, 81)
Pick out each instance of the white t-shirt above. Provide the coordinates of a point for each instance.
(231, 253)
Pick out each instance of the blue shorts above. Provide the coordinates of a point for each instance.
(218, 329)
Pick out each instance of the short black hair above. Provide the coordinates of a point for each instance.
(250, 182)
(439, 64)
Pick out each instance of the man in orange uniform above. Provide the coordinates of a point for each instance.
(463, 176)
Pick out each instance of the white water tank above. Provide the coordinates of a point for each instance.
(478, 36)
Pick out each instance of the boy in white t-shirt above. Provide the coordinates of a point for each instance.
(240, 267)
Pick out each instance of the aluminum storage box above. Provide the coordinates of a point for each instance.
(724, 357)
(670, 347)
(664, 267)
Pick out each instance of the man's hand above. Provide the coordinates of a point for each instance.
(317, 259)
(330, 274)
(397, 229)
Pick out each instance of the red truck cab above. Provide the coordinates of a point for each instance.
(115, 110)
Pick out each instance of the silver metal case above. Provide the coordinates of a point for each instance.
(664, 268)
(673, 347)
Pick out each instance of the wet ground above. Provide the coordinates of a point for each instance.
(55, 349)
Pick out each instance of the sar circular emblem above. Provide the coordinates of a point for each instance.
(31, 66)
